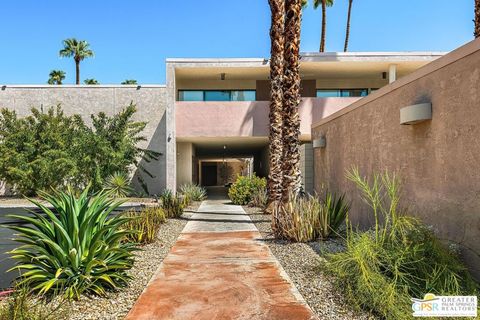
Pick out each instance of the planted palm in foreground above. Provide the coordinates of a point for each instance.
(74, 247)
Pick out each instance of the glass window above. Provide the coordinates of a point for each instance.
(217, 95)
(243, 95)
(327, 93)
(354, 92)
(190, 95)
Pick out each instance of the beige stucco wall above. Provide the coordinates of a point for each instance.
(438, 160)
(87, 100)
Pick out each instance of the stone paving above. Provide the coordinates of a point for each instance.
(219, 268)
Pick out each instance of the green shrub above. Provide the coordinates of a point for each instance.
(192, 192)
(400, 258)
(171, 204)
(259, 198)
(144, 224)
(241, 191)
(74, 247)
(333, 213)
(51, 150)
(21, 306)
(118, 185)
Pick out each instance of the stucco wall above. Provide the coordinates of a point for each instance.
(184, 163)
(246, 118)
(438, 160)
(86, 100)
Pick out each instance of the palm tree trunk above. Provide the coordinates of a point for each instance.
(324, 26)
(291, 93)
(77, 71)
(347, 33)
(277, 38)
(477, 19)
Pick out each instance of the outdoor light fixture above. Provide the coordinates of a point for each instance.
(4, 87)
(222, 76)
(320, 142)
(138, 87)
(416, 113)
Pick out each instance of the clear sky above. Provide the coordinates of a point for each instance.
(131, 39)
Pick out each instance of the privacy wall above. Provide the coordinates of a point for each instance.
(86, 100)
(438, 160)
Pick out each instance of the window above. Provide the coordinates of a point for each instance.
(326, 93)
(216, 95)
(190, 95)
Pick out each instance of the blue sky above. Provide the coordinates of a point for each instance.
(131, 39)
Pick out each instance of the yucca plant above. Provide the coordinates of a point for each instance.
(172, 204)
(118, 184)
(192, 192)
(333, 214)
(73, 247)
(259, 198)
(145, 224)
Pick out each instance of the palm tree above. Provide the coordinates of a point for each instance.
(347, 32)
(277, 49)
(477, 19)
(291, 182)
(56, 77)
(91, 81)
(130, 81)
(324, 4)
(79, 50)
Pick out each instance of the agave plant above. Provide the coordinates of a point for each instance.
(334, 212)
(193, 192)
(73, 247)
(171, 204)
(118, 184)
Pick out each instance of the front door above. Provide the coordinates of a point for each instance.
(209, 174)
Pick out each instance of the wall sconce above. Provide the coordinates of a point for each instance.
(222, 76)
(416, 113)
(320, 142)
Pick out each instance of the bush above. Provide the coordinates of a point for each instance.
(259, 198)
(51, 150)
(171, 204)
(192, 192)
(244, 187)
(144, 224)
(118, 185)
(400, 258)
(304, 219)
(75, 247)
(21, 306)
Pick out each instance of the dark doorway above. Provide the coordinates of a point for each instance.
(209, 174)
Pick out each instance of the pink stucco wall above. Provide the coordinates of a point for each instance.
(246, 118)
(437, 160)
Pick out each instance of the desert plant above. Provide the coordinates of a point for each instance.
(400, 258)
(118, 184)
(73, 248)
(259, 198)
(171, 204)
(22, 306)
(298, 219)
(333, 213)
(193, 192)
(144, 224)
(242, 190)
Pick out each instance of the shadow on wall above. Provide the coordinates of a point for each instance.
(157, 168)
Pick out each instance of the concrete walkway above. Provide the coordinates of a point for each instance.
(220, 268)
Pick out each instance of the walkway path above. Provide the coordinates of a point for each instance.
(220, 269)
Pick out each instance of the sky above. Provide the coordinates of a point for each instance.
(132, 39)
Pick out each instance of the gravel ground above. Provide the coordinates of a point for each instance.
(303, 264)
(117, 304)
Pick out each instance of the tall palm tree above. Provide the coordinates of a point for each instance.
(477, 19)
(79, 50)
(347, 32)
(91, 81)
(277, 49)
(56, 77)
(291, 182)
(323, 4)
